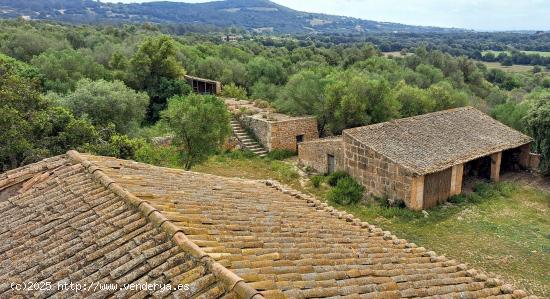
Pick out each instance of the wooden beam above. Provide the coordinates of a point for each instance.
(495, 166)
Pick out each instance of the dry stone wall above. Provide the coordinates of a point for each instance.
(379, 175)
(315, 153)
(281, 134)
(284, 133)
(260, 128)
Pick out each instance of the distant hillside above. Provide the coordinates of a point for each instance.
(256, 15)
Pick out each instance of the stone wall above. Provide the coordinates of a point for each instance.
(315, 153)
(283, 133)
(379, 175)
(260, 127)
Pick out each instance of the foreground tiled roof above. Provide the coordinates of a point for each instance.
(62, 221)
(435, 141)
(288, 245)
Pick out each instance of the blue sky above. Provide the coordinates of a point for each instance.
(471, 14)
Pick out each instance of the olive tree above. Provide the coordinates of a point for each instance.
(200, 125)
(104, 102)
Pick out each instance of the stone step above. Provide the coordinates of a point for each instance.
(248, 142)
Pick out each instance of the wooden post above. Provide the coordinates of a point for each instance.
(456, 179)
(495, 166)
(417, 194)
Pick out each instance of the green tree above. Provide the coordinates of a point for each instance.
(538, 120)
(414, 101)
(104, 102)
(446, 96)
(32, 127)
(265, 91)
(62, 69)
(200, 125)
(512, 114)
(262, 69)
(303, 94)
(353, 100)
(154, 69)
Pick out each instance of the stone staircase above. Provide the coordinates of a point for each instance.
(248, 142)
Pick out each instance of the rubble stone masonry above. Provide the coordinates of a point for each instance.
(260, 128)
(284, 133)
(315, 153)
(281, 134)
(379, 175)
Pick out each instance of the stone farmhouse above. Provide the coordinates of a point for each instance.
(425, 159)
(85, 219)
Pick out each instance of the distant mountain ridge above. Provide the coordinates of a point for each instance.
(256, 15)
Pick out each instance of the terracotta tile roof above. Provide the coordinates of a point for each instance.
(289, 245)
(63, 221)
(435, 141)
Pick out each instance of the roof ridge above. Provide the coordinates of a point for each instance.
(420, 116)
(477, 275)
(232, 281)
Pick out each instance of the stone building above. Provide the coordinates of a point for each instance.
(273, 130)
(204, 86)
(423, 160)
(324, 155)
(279, 131)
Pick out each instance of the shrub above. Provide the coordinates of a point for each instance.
(280, 154)
(118, 146)
(387, 202)
(459, 198)
(317, 180)
(335, 177)
(486, 190)
(383, 201)
(262, 104)
(166, 156)
(234, 91)
(346, 192)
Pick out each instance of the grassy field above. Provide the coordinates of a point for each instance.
(505, 230)
(394, 54)
(513, 68)
(541, 53)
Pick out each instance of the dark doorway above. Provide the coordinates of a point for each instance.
(510, 160)
(299, 139)
(331, 164)
(474, 171)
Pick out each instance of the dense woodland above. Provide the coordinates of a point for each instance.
(110, 89)
(470, 44)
